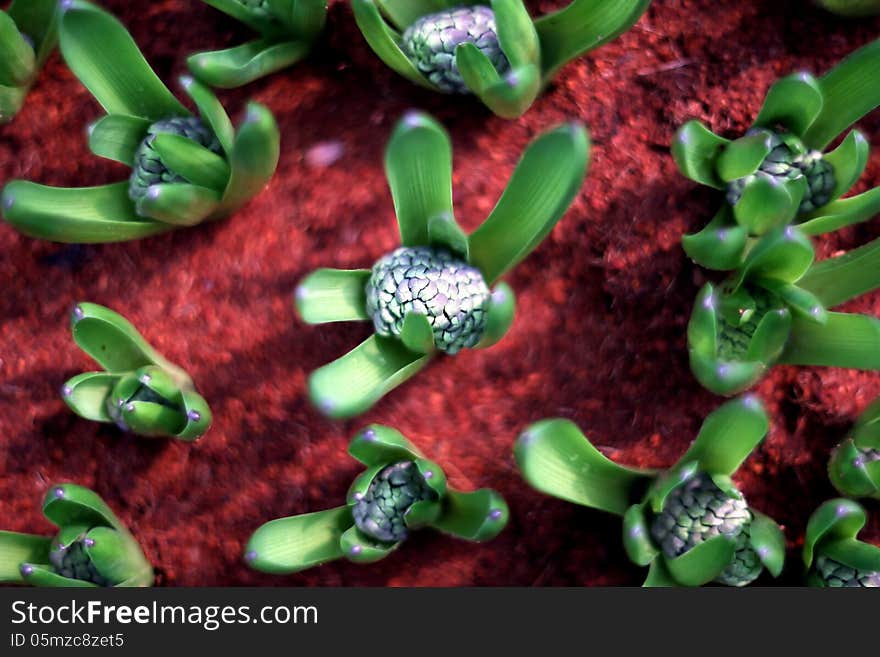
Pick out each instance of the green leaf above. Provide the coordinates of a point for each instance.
(845, 340)
(806, 304)
(198, 416)
(69, 504)
(835, 519)
(86, 395)
(381, 445)
(241, 12)
(728, 435)
(666, 482)
(844, 212)
(102, 54)
(116, 555)
(866, 432)
(421, 514)
(784, 254)
(509, 96)
(742, 157)
(848, 162)
(16, 549)
(78, 215)
(117, 137)
(544, 184)
(350, 385)
(385, 42)
(855, 554)
(848, 472)
(502, 309)
(178, 204)
(702, 331)
(582, 26)
(844, 277)
(361, 485)
(433, 475)
(333, 295)
(288, 545)
(254, 157)
(658, 576)
(793, 102)
(637, 536)
(192, 161)
(403, 13)
(417, 334)
(306, 17)
(17, 58)
(39, 20)
(696, 149)
(44, 575)
(850, 90)
(114, 342)
(476, 516)
(702, 563)
(443, 231)
(211, 112)
(720, 245)
(725, 377)
(359, 548)
(766, 204)
(557, 459)
(11, 100)
(516, 33)
(418, 164)
(768, 541)
(240, 65)
(152, 419)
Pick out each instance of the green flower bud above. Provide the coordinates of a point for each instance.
(148, 168)
(833, 573)
(736, 328)
(430, 43)
(148, 402)
(699, 510)
(789, 160)
(432, 282)
(73, 561)
(380, 512)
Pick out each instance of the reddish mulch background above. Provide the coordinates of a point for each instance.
(599, 337)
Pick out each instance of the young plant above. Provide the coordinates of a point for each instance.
(399, 492)
(28, 33)
(288, 29)
(851, 8)
(490, 48)
(92, 547)
(433, 294)
(185, 169)
(854, 468)
(832, 553)
(777, 174)
(689, 524)
(139, 390)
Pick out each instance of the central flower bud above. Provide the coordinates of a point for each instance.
(833, 573)
(432, 282)
(788, 160)
(140, 402)
(149, 169)
(380, 512)
(699, 510)
(430, 43)
(734, 338)
(73, 561)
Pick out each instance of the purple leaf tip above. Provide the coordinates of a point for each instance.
(429, 474)
(369, 435)
(58, 492)
(356, 549)
(494, 514)
(195, 416)
(250, 555)
(90, 542)
(66, 391)
(78, 313)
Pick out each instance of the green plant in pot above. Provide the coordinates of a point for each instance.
(185, 169)
(139, 390)
(91, 549)
(689, 524)
(434, 294)
(833, 555)
(490, 48)
(400, 492)
(287, 32)
(28, 34)
(854, 467)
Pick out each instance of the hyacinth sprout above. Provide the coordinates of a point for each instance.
(91, 549)
(854, 468)
(288, 29)
(28, 33)
(490, 48)
(185, 169)
(834, 557)
(435, 294)
(781, 190)
(399, 492)
(139, 390)
(689, 524)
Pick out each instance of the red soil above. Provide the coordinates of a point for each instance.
(599, 336)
